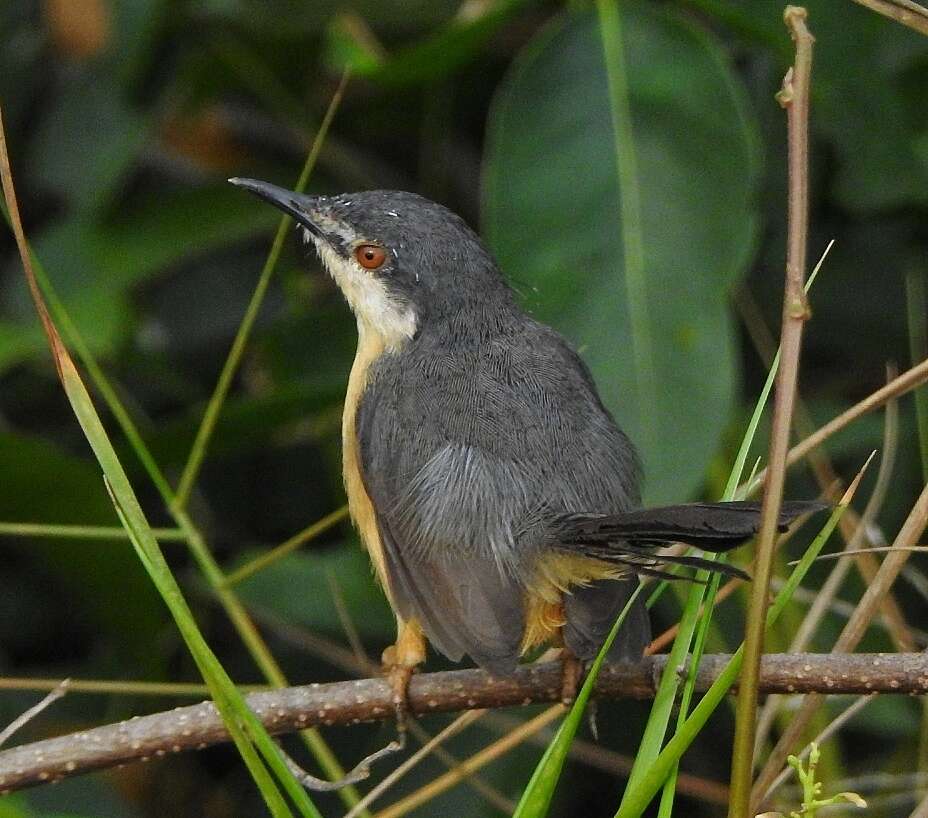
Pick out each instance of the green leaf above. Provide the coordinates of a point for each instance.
(552, 216)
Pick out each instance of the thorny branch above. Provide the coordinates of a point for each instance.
(291, 709)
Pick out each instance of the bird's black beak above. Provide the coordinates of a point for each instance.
(302, 208)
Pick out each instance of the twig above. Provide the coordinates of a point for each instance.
(352, 702)
(795, 98)
(460, 723)
(906, 382)
(849, 525)
(474, 763)
(906, 12)
(853, 632)
(21, 721)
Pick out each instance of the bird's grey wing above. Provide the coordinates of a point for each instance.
(428, 496)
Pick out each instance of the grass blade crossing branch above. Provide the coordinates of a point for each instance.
(228, 700)
(704, 595)
(538, 793)
(637, 801)
(214, 407)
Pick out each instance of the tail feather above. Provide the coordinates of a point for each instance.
(709, 526)
(644, 561)
(628, 538)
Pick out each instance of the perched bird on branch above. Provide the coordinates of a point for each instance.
(497, 497)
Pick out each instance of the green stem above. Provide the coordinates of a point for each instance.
(214, 407)
(272, 556)
(83, 532)
(197, 545)
(610, 27)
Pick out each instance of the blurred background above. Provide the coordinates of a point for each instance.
(125, 117)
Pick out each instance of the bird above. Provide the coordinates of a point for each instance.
(497, 497)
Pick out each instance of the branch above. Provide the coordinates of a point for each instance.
(294, 708)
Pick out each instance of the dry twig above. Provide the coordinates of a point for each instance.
(794, 96)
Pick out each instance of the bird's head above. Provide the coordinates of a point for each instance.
(401, 260)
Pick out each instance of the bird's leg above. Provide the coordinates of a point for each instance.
(399, 662)
(571, 672)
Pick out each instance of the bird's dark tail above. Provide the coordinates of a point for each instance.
(630, 537)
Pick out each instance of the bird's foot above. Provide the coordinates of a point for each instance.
(400, 661)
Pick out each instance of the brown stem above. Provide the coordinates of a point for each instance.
(906, 382)
(850, 637)
(795, 98)
(907, 12)
(294, 708)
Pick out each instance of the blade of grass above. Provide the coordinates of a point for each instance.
(661, 709)
(275, 554)
(699, 643)
(248, 734)
(536, 799)
(224, 383)
(636, 802)
(83, 532)
(228, 700)
(197, 545)
(731, 491)
(701, 597)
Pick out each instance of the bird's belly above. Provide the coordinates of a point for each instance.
(370, 347)
(555, 574)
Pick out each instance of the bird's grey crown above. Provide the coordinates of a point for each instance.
(437, 261)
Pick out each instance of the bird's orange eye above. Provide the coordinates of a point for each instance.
(370, 256)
